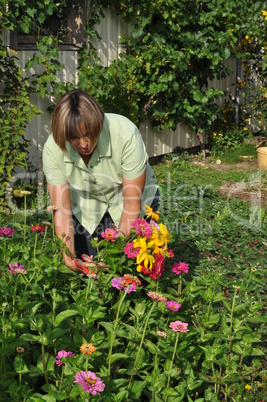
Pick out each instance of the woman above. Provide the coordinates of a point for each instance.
(97, 173)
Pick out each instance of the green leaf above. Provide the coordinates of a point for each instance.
(30, 337)
(19, 365)
(137, 388)
(237, 349)
(170, 392)
(152, 347)
(65, 314)
(107, 325)
(257, 352)
(118, 356)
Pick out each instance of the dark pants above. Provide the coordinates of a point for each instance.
(82, 237)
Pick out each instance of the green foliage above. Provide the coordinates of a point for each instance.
(175, 49)
(45, 21)
(224, 142)
(222, 299)
(16, 110)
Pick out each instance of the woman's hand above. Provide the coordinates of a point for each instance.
(69, 262)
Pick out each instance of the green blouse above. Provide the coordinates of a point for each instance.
(96, 188)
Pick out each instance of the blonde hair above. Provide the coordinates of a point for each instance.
(76, 114)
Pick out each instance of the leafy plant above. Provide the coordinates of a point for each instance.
(59, 327)
(16, 110)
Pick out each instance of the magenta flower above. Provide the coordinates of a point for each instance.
(6, 231)
(109, 235)
(121, 284)
(179, 267)
(171, 253)
(15, 269)
(172, 305)
(89, 382)
(142, 228)
(130, 251)
(179, 326)
(60, 355)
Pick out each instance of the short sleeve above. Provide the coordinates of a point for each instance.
(51, 167)
(134, 156)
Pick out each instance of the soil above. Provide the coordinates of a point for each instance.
(253, 192)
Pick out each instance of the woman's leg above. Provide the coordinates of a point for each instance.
(82, 238)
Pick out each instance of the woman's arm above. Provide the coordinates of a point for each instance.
(60, 197)
(132, 191)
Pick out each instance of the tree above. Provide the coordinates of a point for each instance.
(177, 47)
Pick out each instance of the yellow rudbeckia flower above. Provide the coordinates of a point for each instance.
(151, 214)
(144, 256)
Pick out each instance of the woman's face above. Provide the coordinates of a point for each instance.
(84, 145)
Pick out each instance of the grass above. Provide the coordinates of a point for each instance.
(235, 156)
(185, 169)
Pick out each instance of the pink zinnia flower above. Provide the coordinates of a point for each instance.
(171, 253)
(15, 269)
(179, 267)
(62, 353)
(89, 382)
(156, 296)
(6, 231)
(142, 228)
(179, 326)
(130, 251)
(162, 334)
(51, 208)
(109, 235)
(121, 284)
(172, 305)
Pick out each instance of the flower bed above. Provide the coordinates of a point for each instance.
(142, 325)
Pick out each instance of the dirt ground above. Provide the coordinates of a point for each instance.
(254, 191)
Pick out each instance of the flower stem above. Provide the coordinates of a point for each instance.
(173, 356)
(25, 214)
(44, 239)
(231, 325)
(61, 379)
(20, 377)
(122, 297)
(141, 343)
(35, 243)
(154, 376)
(43, 360)
(86, 362)
(180, 285)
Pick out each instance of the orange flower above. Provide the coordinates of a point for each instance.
(87, 348)
(128, 279)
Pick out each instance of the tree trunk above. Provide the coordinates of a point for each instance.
(202, 145)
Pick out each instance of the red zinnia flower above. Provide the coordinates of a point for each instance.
(157, 268)
(37, 228)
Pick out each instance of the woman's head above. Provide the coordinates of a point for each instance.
(77, 115)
